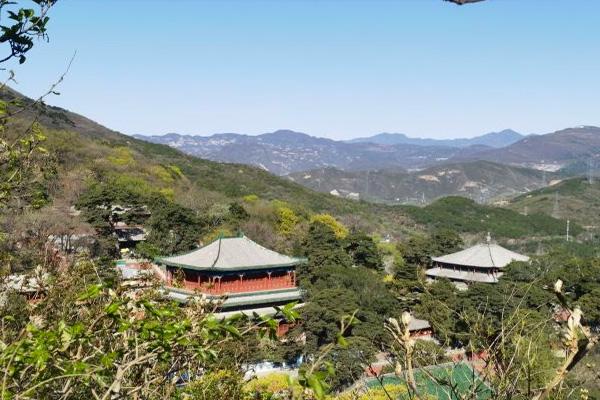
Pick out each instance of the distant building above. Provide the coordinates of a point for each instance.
(132, 232)
(128, 236)
(250, 277)
(481, 263)
(420, 329)
(32, 286)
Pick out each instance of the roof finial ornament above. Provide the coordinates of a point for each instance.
(488, 238)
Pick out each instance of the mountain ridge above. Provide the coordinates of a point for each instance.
(493, 139)
(284, 151)
(551, 151)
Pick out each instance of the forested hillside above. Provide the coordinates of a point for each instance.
(576, 199)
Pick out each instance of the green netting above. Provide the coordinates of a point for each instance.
(443, 382)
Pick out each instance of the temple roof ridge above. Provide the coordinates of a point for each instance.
(231, 254)
(483, 255)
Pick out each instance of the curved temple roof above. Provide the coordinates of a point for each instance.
(231, 254)
(484, 255)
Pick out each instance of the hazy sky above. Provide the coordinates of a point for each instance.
(336, 69)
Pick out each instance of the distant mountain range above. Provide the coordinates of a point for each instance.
(404, 169)
(552, 151)
(482, 181)
(284, 151)
(492, 139)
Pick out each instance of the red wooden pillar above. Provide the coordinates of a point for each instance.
(294, 278)
(269, 284)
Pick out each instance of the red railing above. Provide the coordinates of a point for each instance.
(242, 284)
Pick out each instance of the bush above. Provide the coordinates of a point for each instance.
(217, 385)
(337, 227)
(277, 385)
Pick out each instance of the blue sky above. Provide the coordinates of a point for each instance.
(336, 69)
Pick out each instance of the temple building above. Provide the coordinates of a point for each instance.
(481, 263)
(249, 277)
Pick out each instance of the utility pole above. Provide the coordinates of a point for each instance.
(544, 181)
(556, 210)
(568, 222)
(590, 174)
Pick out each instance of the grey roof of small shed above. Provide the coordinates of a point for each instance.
(231, 254)
(484, 255)
(416, 324)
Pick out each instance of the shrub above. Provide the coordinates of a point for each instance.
(286, 221)
(251, 198)
(121, 156)
(337, 227)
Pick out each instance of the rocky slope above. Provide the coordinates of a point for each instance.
(480, 180)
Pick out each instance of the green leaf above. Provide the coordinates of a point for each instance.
(316, 385)
(92, 292)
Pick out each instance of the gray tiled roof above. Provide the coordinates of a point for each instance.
(231, 254)
(261, 311)
(416, 324)
(463, 275)
(242, 299)
(484, 255)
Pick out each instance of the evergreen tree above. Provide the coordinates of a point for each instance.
(363, 251)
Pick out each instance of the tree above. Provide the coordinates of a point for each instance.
(445, 241)
(238, 212)
(21, 154)
(172, 228)
(363, 251)
(439, 305)
(287, 220)
(323, 249)
(337, 227)
(27, 25)
(350, 362)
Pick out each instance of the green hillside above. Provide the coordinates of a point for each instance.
(577, 200)
(464, 215)
(88, 153)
